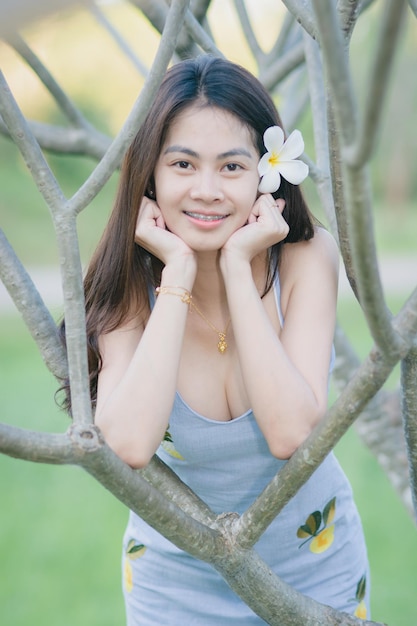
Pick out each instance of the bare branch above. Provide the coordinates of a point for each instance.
(380, 424)
(61, 98)
(283, 36)
(392, 20)
(114, 154)
(320, 128)
(66, 231)
(303, 14)
(357, 188)
(256, 584)
(200, 36)
(20, 132)
(339, 199)
(155, 11)
(283, 66)
(348, 12)
(167, 482)
(248, 31)
(119, 39)
(28, 445)
(60, 140)
(409, 406)
(32, 308)
(335, 57)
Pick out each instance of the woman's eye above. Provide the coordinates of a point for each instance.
(233, 167)
(182, 164)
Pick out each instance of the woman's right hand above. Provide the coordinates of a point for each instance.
(151, 233)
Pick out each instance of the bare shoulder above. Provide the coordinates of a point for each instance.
(322, 246)
(320, 250)
(312, 264)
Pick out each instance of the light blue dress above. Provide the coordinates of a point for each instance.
(316, 544)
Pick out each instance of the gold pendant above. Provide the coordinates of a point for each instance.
(222, 345)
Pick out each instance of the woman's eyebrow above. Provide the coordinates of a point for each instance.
(235, 152)
(223, 155)
(182, 149)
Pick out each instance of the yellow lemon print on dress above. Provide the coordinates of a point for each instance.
(318, 528)
(360, 610)
(134, 551)
(168, 445)
(128, 575)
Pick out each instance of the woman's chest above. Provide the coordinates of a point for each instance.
(210, 382)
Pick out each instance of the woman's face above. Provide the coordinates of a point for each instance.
(206, 177)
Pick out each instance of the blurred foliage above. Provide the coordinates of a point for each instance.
(88, 63)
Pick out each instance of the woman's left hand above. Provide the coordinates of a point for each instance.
(264, 228)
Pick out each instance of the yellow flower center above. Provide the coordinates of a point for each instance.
(273, 159)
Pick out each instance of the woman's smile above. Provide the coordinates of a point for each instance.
(205, 219)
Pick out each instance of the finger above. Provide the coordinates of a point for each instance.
(281, 205)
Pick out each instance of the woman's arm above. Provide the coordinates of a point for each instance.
(286, 376)
(138, 379)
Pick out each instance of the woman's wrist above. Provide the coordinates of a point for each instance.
(234, 267)
(181, 273)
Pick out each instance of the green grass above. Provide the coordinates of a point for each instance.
(61, 531)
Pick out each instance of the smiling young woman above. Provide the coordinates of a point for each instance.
(211, 306)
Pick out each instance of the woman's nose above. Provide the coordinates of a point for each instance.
(206, 187)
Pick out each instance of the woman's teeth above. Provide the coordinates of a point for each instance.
(205, 218)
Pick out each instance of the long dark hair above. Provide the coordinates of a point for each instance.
(121, 272)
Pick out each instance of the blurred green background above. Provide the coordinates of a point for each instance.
(60, 531)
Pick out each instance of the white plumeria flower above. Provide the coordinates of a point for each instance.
(280, 160)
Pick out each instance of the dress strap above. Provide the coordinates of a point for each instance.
(277, 293)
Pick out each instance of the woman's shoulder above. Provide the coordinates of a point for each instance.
(313, 263)
(320, 250)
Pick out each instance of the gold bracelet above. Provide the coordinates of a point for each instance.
(181, 292)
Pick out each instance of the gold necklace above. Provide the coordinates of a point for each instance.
(222, 344)
(187, 298)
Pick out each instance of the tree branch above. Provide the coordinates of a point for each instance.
(282, 38)
(283, 66)
(320, 128)
(32, 308)
(369, 378)
(20, 133)
(335, 57)
(64, 219)
(304, 15)
(409, 407)
(28, 445)
(248, 31)
(61, 98)
(357, 188)
(119, 39)
(200, 36)
(380, 423)
(392, 20)
(348, 12)
(339, 199)
(111, 160)
(169, 484)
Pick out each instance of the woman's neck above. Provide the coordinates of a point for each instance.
(209, 288)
